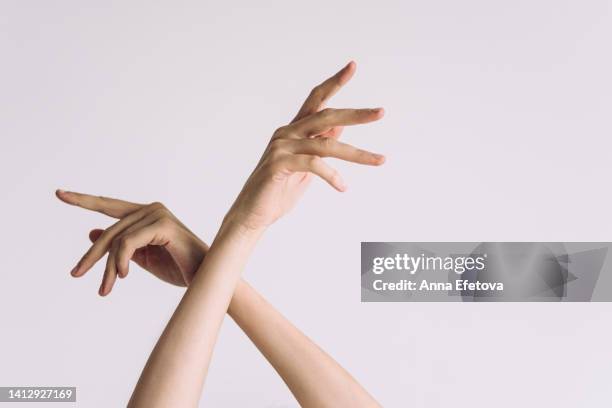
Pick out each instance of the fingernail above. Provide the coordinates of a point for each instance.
(74, 270)
(380, 159)
(60, 191)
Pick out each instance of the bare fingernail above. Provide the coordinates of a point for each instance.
(380, 159)
(74, 270)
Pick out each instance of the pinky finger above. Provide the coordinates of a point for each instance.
(316, 165)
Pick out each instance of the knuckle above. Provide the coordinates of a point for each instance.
(161, 213)
(327, 112)
(156, 205)
(281, 131)
(277, 147)
(316, 91)
(160, 210)
(277, 144)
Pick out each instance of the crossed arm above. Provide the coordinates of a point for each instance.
(152, 237)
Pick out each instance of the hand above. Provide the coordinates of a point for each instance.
(294, 154)
(149, 235)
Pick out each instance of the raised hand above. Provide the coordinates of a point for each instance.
(295, 152)
(149, 235)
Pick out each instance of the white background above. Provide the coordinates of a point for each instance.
(497, 128)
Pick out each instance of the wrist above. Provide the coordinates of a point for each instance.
(235, 224)
(228, 253)
(237, 234)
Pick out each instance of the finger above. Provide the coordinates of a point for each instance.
(138, 256)
(108, 206)
(324, 91)
(124, 243)
(95, 234)
(102, 244)
(326, 119)
(328, 147)
(315, 165)
(110, 275)
(127, 249)
(152, 234)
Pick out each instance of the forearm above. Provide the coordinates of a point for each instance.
(314, 378)
(176, 370)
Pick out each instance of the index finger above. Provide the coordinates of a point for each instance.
(109, 206)
(324, 91)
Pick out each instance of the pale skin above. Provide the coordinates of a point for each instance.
(151, 236)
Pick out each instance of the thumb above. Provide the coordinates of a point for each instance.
(95, 234)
